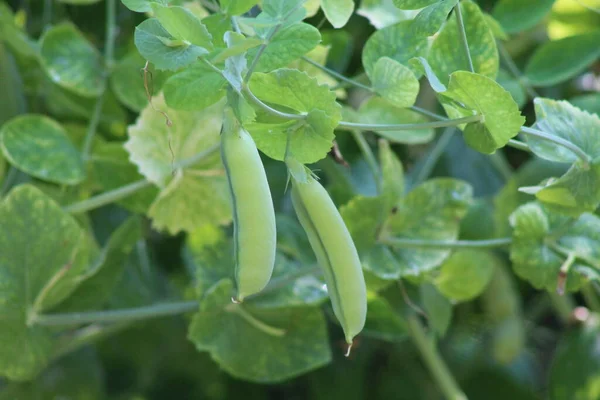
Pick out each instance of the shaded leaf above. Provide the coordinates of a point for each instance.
(465, 274)
(182, 24)
(194, 88)
(431, 18)
(516, 15)
(392, 174)
(437, 307)
(383, 321)
(395, 82)
(337, 12)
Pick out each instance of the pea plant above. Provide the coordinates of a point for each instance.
(300, 198)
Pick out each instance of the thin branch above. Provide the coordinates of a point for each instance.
(514, 70)
(337, 75)
(107, 197)
(270, 109)
(407, 127)
(445, 244)
(559, 141)
(463, 36)
(87, 335)
(519, 145)
(434, 155)
(369, 157)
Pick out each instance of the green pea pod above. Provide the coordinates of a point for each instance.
(253, 214)
(335, 251)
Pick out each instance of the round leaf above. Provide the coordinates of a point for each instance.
(395, 82)
(465, 274)
(39, 146)
(519, 15)
(337, 12)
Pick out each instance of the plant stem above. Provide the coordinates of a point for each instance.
(188, 162)
(462, 33)
(445, 244)
(519, 145)
(84, 336)
(434, 155)
(559, 141)
(590, 298)
(107, 197)
(255, 322)
(433, 360)
(268, 39)
(514, 70)
(428, 113)
(109, 49)
(563, 305)
(499, 162)
(337, 75)
(268, 108)
(47, 14)
(122, 315)
(406, 127)
(369, 157)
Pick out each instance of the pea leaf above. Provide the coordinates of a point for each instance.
(163, 50)
(437, 307)
(397, 42)
(289, 44)
(420, 63)
(39, 146)
(236, 46)
(383, 321)
(362, 229)
(101, 279)
(190, 197)
(395, 82)
(237, 7)
(43, 252)
(142, 6)
(194, 88)
(587, 102)
(413, 4)
(559, 60)
(574, 373)
(182, 24)
(235, 337)
(310, 139)
(465, 274)
(71, 61)
(337, 12)
(562, 119)
(445, 56)
(513, 86)
(516, 16)
(431, 18)
(381, 13)
(474, 92)
(431, 211)
(392, 174)
(376, 110)
(127, 81)
(538, 259)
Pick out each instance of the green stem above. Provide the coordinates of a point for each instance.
(337, 75)
(519, 145)
(47, 14)
(514, 70)
(122, 315)
(590, 298)
(428, 113)
(85, 336)
(255, 322)
(499, 162)
(188, 162)
(407, 127)
(268, 108)
(463, 36)
(369, 157)
(563, 305)
(445, 244)
(433, 360)
(92, 126)
(434, 155)
(107, 197)
(559, 141)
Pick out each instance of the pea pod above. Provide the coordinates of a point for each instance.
(253, 214)
(335, 251)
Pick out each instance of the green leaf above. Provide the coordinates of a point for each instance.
(376, 110)
(437, 307)
(100, 280)
(562, 119)
(495, 27)
(71, 61)
(413, 4)
(217, 24)
(383, 321)
(419, 63)
(431, 18)
(587, 102)
(363, 217)
(127, 81)
(42, 254)
(194, 88)
(516, 15)
(159, 47)
(432, 210)
(395, 82)
(112, 169)
(473, 92)
(337, 12)
(382, 13)
(465, 274)
(392, 175)
(247, 351)
(238, 44)
(289, 44)
(446, 54)
(513, 86)
(236, 7)
(39, 146)
(575, 370)
(559, 60)
(182, 24)
(142, 6)
(397, 42)
(311, 138)
(190, 197)
(538, 259)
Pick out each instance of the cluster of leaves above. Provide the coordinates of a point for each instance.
(105, 152)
